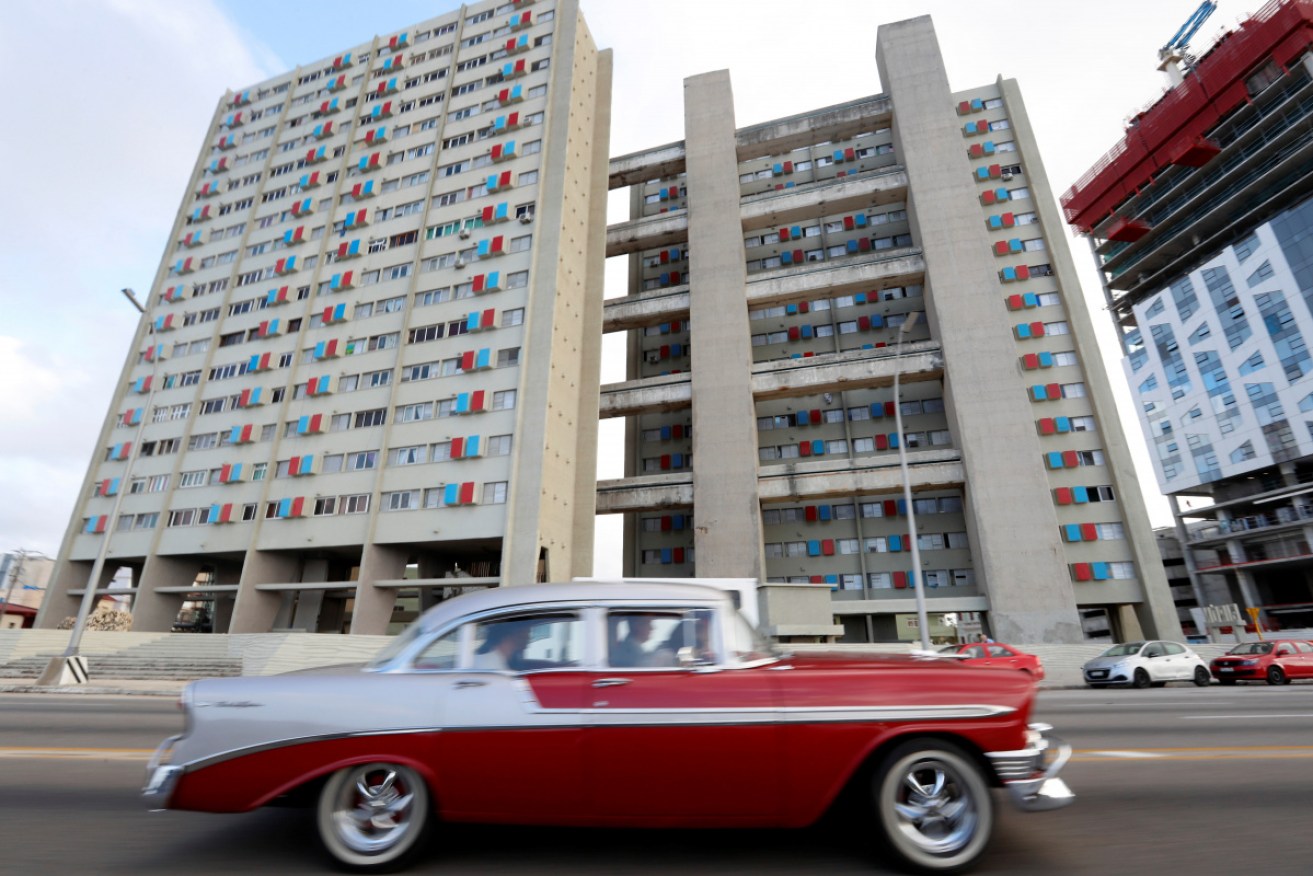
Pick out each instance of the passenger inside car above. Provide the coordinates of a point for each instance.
(504, 643)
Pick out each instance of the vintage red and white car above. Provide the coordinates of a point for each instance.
(614, 704)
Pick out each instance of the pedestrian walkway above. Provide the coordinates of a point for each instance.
(140, 687)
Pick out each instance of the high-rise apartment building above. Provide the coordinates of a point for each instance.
(1200, 220)
(368, 362)
(772, 269)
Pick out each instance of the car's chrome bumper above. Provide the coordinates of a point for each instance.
(1030, 775)
(160, 777)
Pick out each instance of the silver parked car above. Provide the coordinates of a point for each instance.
(1141, 664)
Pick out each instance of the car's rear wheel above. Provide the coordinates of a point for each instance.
(1140, 679)
(1201, 677)
(933, 806)
(373, 817)
(1276, 675)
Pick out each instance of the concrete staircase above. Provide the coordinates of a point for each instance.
(125, 667)
(183, 656)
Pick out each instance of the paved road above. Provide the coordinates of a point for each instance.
(1180, 781)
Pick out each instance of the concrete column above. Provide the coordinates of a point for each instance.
(154, 612)
(1187, 555)
(223, 612)
(309, 602)
(727, 537)
(1248, 594)
(255, 610)
(1012, 523)
(373, 609)
(552, 497)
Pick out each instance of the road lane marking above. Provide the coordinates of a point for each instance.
(46, 753)
(1260, 752)
(1264, 716)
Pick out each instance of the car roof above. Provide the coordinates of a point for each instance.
(647, 590)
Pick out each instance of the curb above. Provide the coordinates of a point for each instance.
(87, 691)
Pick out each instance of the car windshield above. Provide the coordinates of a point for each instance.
(1252, 648)
(396, 646)
(1130, 649)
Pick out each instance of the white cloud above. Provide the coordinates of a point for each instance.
(100, 154)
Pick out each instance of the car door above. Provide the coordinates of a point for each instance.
(1153, 659)
(1304, 659)
(1285, 656)
(691, 744)
(510, 746)
(1177, 661)
(1003, 657)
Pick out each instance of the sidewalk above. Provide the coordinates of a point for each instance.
(137, 687)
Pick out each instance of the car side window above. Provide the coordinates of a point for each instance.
(973, 652)
(1284, 650)
(1173, 648)
(1153, 651)
(442, 653)
(999, 651)
(528, 642)
(1304, 647)
(637, 638)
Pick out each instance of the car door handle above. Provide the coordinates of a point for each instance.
(462, 684)
(610, 682)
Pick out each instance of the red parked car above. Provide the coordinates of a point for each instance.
(629, 704)
(997, 655)
(1276, 662)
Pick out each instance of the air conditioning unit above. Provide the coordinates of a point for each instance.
(652, 356)
(1007, 175)
(464, 234)
(526, 218)
(460, 263)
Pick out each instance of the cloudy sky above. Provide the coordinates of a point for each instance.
(117, 96)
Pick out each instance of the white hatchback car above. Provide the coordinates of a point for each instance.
(1141, 664)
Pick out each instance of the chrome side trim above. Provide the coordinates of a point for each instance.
(616, 717)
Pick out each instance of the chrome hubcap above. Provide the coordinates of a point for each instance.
(374, 810)
(935, 810)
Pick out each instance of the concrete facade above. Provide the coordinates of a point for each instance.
(368, 352)
(809, 241)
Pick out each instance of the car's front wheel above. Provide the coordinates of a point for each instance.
(1201, 677)
(1276, 675)
(374, 817)
(933, 806)
(1140, 680)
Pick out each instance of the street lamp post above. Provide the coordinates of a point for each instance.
(918, 585)
(69, 666)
